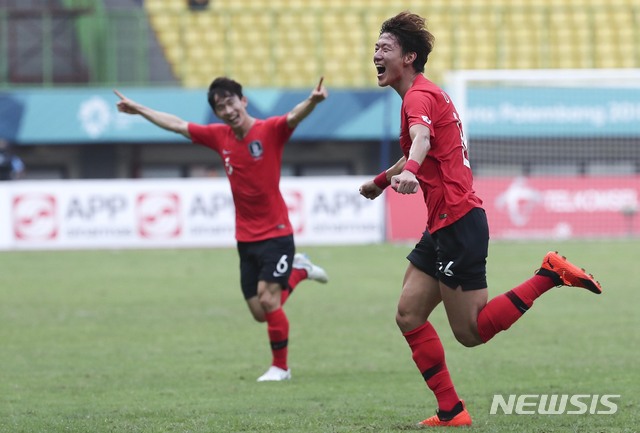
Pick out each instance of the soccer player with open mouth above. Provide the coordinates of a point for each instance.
(448, 264)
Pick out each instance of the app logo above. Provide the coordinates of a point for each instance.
(158, 215)
(34, 217)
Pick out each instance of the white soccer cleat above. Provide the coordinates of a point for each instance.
(314, 272)
(275, 374)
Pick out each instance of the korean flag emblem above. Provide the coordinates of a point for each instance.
(255, 149)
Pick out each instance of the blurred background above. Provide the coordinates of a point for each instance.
(79, 46)
(552, 99)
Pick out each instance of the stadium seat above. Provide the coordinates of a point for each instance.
(265, 38)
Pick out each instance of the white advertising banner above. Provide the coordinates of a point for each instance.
(94, 214)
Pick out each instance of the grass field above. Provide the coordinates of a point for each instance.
(161, 341)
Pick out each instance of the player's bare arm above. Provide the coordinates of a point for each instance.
(166, 121)
(406, 182)
(371, 191)
(304, 108)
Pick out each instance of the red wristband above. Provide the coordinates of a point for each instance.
(412, 166)
(381, 180)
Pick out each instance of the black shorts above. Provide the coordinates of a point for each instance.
(456, 254)
(269, 260)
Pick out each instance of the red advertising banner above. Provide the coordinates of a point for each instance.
(537, 207)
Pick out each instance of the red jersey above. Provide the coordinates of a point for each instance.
(445, 175)
(253, 169)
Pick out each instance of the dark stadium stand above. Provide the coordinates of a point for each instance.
(41, 43)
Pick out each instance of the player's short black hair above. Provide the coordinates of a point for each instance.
(411, 33)
(223, 87)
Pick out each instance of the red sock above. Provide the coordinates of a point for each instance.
(428, 354)
(284, 295)
(296, 276)
(278, 330)
(502, 311)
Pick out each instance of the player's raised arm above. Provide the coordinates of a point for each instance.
(304, 108)
(166, 121)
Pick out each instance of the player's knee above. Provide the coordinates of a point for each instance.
(268, 301)
(406, 321)
(467, 337)
(400, 320)
(257, 310)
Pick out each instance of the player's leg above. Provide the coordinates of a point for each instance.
(277, 330)
(264, 301)
(303, 269)
(255, 308)
(462, 256)
(462, 309)
(474, 321)
(420, 295)
(297, 275)
(505, 309)
(311, 271)
(275, 257)
(460, 260)
(463, 248)
(249, 271)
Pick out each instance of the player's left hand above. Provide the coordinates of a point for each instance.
(125, 105)
(319, 93)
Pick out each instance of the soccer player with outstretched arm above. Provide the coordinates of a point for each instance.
(448, 264)
(251, 150)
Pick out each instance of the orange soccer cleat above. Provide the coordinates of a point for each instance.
(565, 273)
(463, 419)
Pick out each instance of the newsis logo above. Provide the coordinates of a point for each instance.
(554, 404)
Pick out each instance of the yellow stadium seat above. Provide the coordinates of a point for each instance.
(289, 42)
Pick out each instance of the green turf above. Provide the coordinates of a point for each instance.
(161, 341)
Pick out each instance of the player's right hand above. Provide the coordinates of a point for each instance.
(370, 190)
